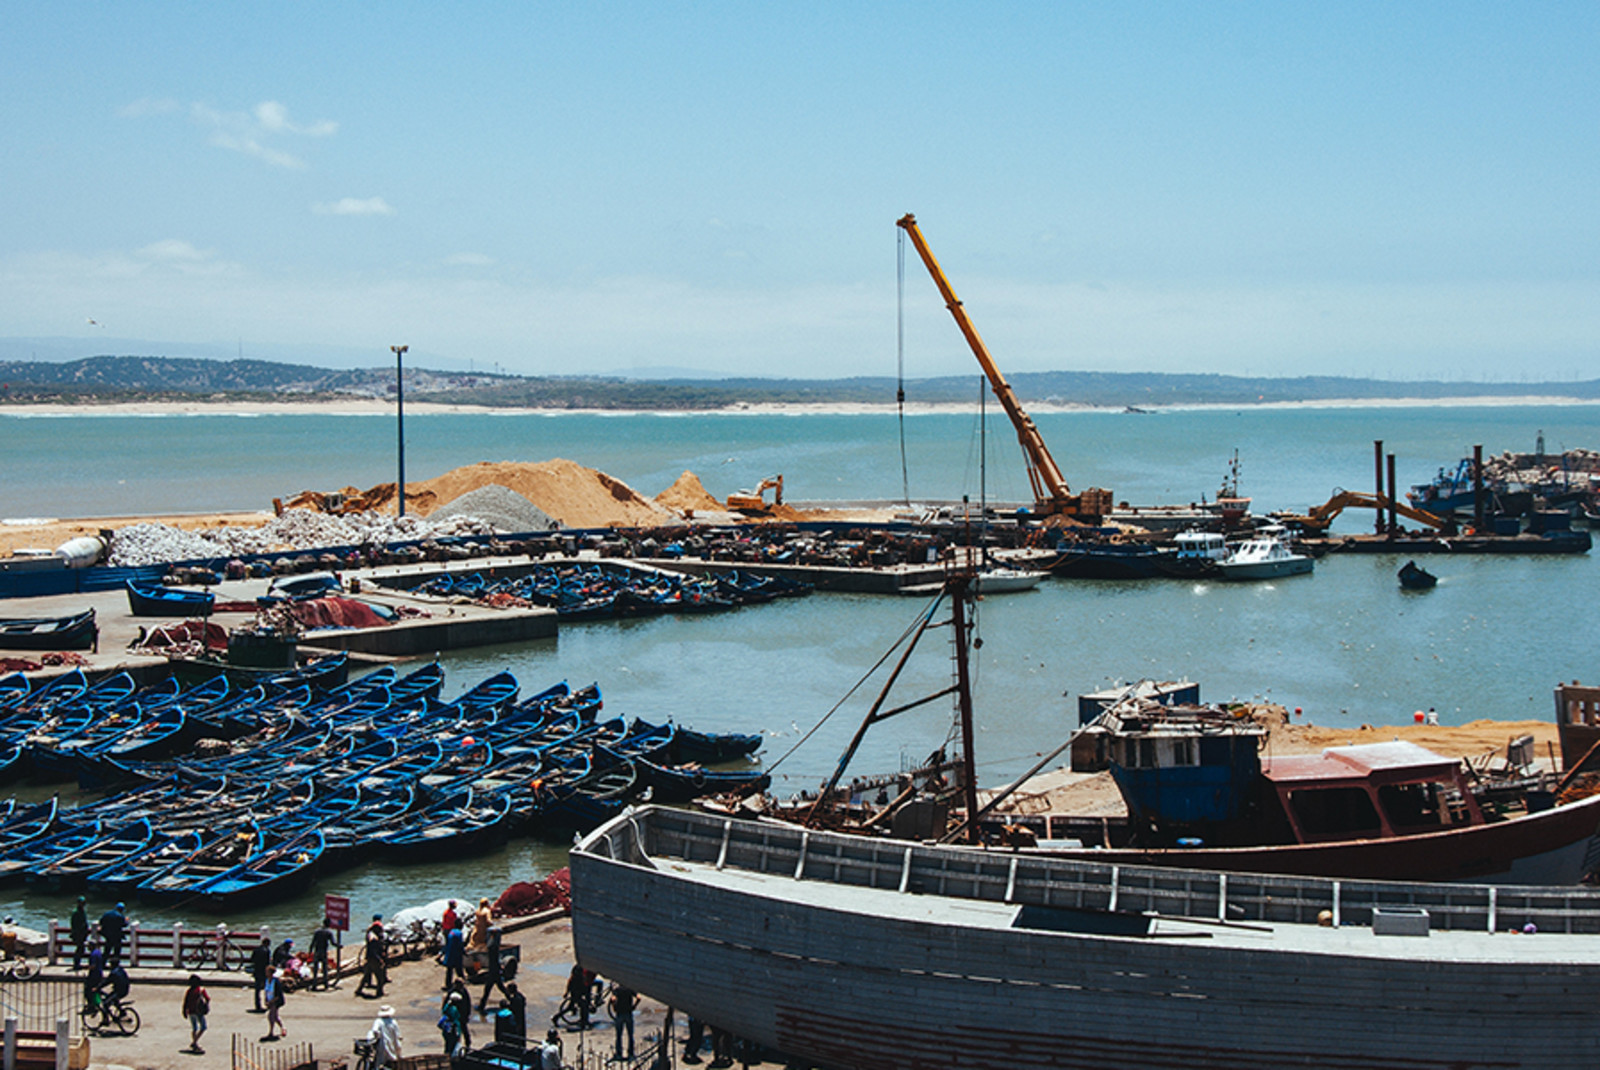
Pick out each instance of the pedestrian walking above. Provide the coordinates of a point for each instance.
(375, 955)
(493, 975)
(695, 1041)
(80, 933)
(275, 997)
(385, 1034)
(260, 966)
(449, 1025)
(113, 928)
(321, 943)
(196, 1005)
(461, 1000)
(455, 956)
(623, 1001)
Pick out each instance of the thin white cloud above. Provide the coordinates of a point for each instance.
(249, 133)
(468, 260)
(354, 206)
(275, 117)
(172, 249)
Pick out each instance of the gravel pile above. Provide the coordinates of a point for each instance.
(501, 506)
(155, 544)
(296, 529)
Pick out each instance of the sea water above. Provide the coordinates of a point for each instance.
(1344, 645)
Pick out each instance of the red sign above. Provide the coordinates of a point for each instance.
(337, 909)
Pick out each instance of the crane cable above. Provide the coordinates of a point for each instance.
(900, 356)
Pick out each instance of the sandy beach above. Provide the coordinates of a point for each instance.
(384, 407)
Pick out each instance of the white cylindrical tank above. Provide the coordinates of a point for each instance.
(82, 552)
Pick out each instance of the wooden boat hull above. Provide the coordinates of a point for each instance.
(78, 632)
(1547, 848)
(861, 954)
(149, 600)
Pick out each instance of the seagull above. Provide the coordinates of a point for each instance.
(93, 323)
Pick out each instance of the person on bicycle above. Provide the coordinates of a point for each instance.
(578, 982)
(117, 987)
(94, 978)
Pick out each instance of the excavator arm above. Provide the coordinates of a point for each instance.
(1052, 496)
(1318, 518)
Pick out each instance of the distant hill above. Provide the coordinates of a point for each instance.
(125, 378)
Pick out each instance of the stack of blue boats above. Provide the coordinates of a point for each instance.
(319, 774)
(587, 590)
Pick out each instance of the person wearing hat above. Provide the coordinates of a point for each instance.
(550, 1051)
(113, 927)
(80, 933)
(385, 1034)
(283, 953)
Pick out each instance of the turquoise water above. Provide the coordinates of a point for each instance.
(1345, 643)
(121, 465)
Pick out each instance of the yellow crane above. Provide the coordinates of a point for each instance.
(1052, 497)
(1316, 520)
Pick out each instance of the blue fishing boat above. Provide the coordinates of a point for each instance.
(455, 827)
(153, 600)
(14, 687)
(704, 748)
(672, 784)
(63, 840)
(76, 632)
(278, 873)
(119, 879)
(69, 870)
(64, 688)
(221, 850)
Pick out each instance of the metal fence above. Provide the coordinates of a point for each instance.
(37, 1004)
(250, 1055)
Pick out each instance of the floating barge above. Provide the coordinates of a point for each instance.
(848, 952)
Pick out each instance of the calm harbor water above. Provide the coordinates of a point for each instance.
(1345, 643)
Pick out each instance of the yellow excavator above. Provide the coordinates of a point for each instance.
(751, 501)
(1315, 521)
(1053, 499)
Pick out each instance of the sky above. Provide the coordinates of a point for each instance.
(1371, 189)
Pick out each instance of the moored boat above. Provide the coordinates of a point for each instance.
(153, 600)
(76, 632)
(871, 955)
(1265, 556)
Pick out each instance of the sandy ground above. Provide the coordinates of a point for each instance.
(370, 406)
(329, 1021)
(47, 533)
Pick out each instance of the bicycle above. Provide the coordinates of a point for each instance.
(103, 1019)
(206, 954)
(367, 1054)
(16, 968)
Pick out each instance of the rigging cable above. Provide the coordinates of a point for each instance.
(910, 630)
(900, 356)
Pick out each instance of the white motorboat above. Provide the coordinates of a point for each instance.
(1267, 556)
(999, 579)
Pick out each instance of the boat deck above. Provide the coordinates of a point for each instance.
(1458, 947)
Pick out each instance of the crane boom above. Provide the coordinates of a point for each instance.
(1052, 496)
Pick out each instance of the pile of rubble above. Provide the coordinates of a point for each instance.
(296, 529)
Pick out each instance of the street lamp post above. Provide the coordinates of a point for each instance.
(400, 419)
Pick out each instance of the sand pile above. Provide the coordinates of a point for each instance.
(579, 497)
(689, 493)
